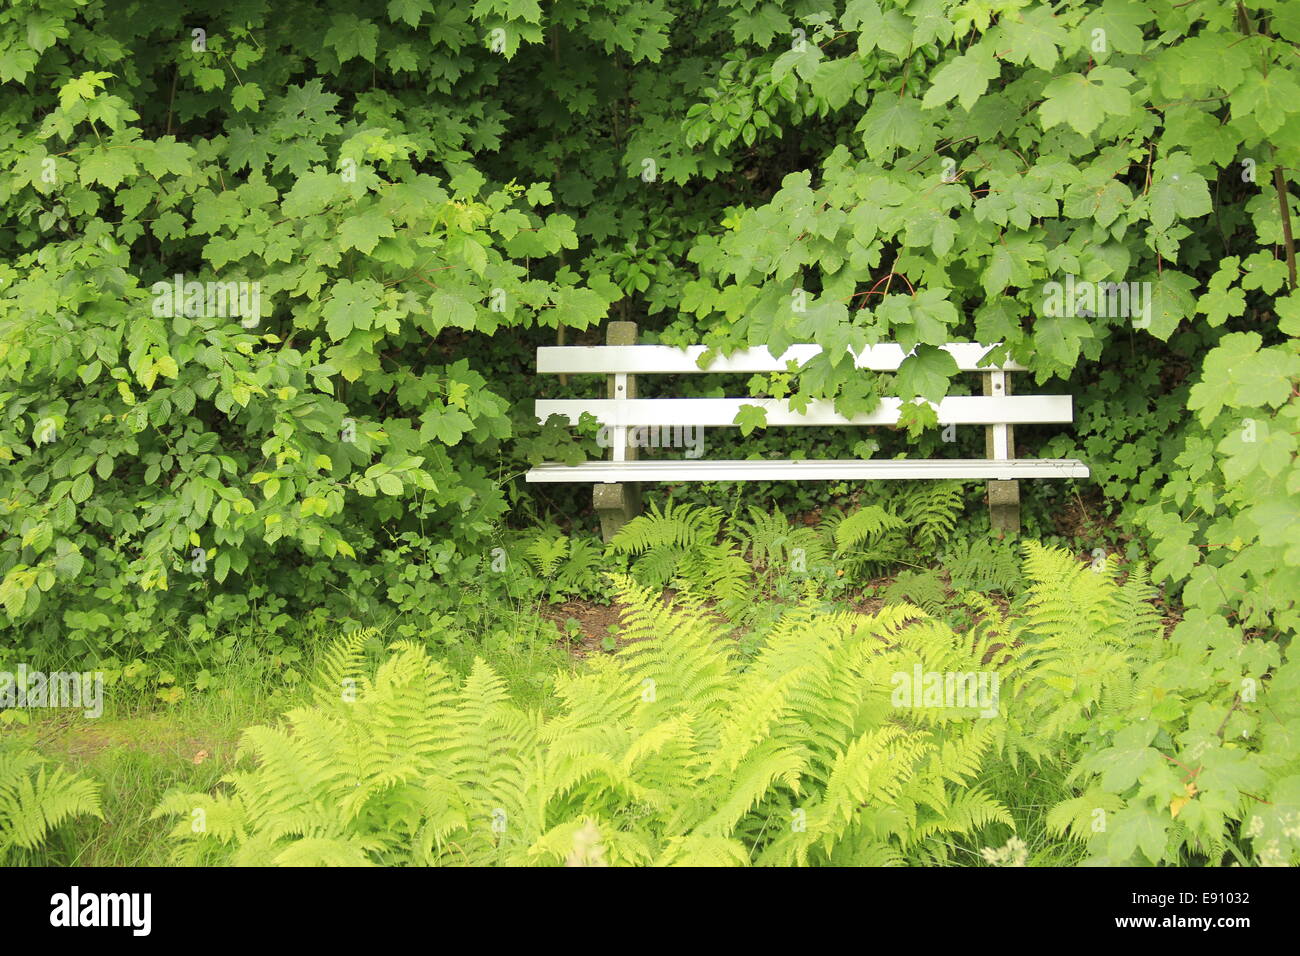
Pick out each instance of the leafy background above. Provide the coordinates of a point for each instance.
(426, 192)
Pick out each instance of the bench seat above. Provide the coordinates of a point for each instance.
(809, 470)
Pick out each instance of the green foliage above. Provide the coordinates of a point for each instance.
(678, 545)
(1227, 523)
(35, 800)
(676, 753)
(424, 195)
(1185, 747)
(907, 526)
(679, 750)
(681, 545)
(566, 566)
(925, 589)
(266, 298)
(546, 553)
(160, 443)
(984, 564)
(867, 524)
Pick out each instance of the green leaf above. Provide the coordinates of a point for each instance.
(750, 417)
(449, 310)
(1269, 98)
(1084, 102)
(81, 488)
(350, 36)
(837, 80)
(890, 124)
(352, 306)
(926, 374)
(447, 425)
(106, 166)
(409, 10)
(925, 317)
(1288, 310)
(1171, 301)
(247, 96)
(1178, 191)
(1035, 35)
(1138, 828)
(1120, 25)
(363, 232)
(965, 77)
(887, 30)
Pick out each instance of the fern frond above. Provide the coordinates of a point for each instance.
(545, 552)
(864, 525)
(35, 799)
(341, 666)
(676, 526)
(930, 510)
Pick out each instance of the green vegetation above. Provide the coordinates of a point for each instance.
(272, 277)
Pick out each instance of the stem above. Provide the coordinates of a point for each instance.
(1279, 182)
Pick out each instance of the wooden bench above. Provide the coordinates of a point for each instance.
(616, 495)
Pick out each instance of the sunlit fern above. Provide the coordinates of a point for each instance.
(36, 798)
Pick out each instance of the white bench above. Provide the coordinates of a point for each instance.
(997, 410)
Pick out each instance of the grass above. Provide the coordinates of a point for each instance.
(141, 747)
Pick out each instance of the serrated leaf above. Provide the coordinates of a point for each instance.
(750, 417)
(965, 77)
(1084, 102)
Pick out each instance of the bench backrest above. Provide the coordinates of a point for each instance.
(997, 408)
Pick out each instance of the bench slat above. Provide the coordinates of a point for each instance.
(721, 412)
(814, 470)
(666, 359)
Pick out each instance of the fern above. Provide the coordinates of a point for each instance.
(865, 526)
(679, 545)
(922, 588)
(581, 572)
(545, 553)
(35, 799)
(679, 750)
(984, 564)
(765, 538)
(680, 526)
(930, 510)
(906, 527)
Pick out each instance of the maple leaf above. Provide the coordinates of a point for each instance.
(351, 306)
(750, 417)
(351, 36)
(1084, 102)
(966, 77)
(363, 232)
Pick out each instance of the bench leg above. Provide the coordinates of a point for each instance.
(1004, 506)
(999, 445)
(617, 504)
